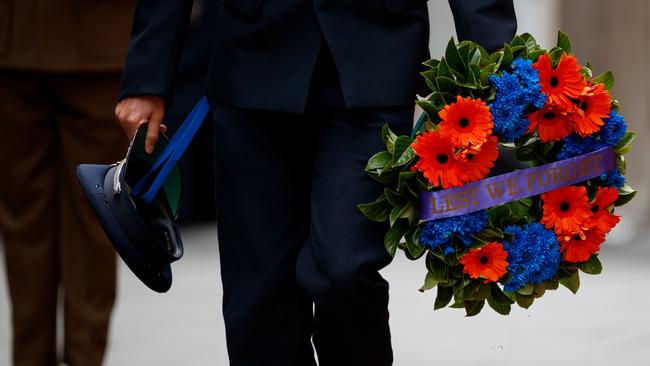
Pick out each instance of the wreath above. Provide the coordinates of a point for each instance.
(504, 238)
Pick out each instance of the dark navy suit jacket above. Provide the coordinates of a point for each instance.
(264, 51)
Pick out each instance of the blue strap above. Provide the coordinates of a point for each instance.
(166, 153)
(172, 152)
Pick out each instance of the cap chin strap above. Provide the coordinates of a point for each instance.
(172, 153)
(117, 187)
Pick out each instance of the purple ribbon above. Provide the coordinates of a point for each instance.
(516, 185)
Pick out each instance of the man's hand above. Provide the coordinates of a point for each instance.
(135, 111)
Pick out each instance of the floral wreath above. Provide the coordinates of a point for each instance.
(525, 103)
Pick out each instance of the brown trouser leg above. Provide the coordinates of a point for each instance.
(28, 218)
(52, 124)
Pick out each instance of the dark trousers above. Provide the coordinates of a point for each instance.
(297, 257)
(51, 123)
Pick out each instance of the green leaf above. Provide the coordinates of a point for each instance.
(501, 308)
(487, 71)
(453, 58)
(523, 300)
(517, 41)
(487, 235)
(404, 179)
(592, 266)
(552, 285)
(623, 150)
(387, 134)
(606, 78)
(390, 142)
(475, 57)
(456, 271)
(472, 308)
(527, 152)
(506, 57)
(444, 70)
(378, 161)
(572, 283)
(406, 211)
(464, 49)
(447, 85)
(395, 198)
(431, 62)
(627, 139)
(625, 195)
(394, 235)
(413, 247)
(429, 283)
(563, 42)
(428, 107)
(555, 54)
(533, 56)
(376, 211)
(403, 152)
(497, 295)
(497, 215)
(531, 43)
(385, 176)
(621, 164)
(430, 77)
(396, 213)
(437, 268)
(443, 297)
(470, 82)
(481, 292)
(401, 144)
(527, 289)
(519, 209)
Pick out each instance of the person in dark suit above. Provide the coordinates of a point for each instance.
(60, 67)
(300, 90)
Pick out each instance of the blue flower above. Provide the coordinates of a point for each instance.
(613, 178)
(529, 78)
(508, 107)
(533, 255)
(614, 129)
(609, 134)
(438, 233)
(514, 94)
(575, 145)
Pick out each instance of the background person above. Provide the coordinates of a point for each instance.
(60, 64)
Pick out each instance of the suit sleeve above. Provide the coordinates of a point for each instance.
(155, 49)
(489, 23)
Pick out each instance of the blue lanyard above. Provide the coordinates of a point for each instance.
(172, 152)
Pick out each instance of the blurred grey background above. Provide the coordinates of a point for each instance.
(605, 324)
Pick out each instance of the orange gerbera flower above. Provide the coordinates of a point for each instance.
(437, 160)
(566, 210)
(593, 105)
(488, 261)
(601, 218)
(477, 160)
(580, 248)
(552, 123)
(468, 121)
(563, 83)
